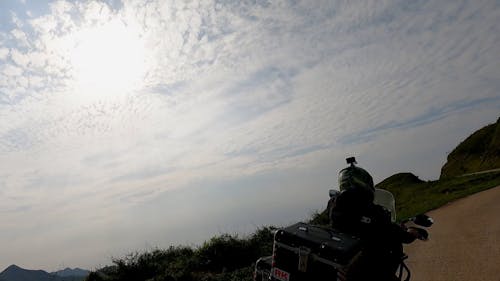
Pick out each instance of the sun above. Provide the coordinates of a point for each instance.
(107, 60)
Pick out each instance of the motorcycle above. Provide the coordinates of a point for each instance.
(308, 252)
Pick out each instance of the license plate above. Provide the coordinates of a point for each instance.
(281, 274)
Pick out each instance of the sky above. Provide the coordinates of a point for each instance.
(130, 125)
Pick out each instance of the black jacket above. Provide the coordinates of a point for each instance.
(382, 239)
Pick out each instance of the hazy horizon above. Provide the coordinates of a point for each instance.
(129, 125)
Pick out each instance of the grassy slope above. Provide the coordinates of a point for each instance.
(414, 197)
(479, 152)
(222, 258)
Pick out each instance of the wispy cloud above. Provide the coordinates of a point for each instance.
(432, 115)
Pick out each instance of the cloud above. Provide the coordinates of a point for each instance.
(21, 37)
(4, 53)
(11, 70)
(19, 58)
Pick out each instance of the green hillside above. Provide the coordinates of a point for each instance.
(478, 152)
(414, 196)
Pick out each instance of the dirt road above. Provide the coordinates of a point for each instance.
(464, 241)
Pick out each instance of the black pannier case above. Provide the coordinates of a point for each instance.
(304, 252)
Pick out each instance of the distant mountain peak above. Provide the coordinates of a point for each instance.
(13, 266)
(67, 272)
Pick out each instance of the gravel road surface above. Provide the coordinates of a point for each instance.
(464, 241)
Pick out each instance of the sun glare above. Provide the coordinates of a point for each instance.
(108, 60)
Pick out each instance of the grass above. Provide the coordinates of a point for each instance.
(222, 258)
(420, 197)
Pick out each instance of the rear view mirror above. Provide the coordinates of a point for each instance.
(422, 233)
(423, 220)
(333, 193)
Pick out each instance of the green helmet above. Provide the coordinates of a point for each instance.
(356, 179)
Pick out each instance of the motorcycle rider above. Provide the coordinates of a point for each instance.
(353, 211)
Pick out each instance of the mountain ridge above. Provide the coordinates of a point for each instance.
(17, 273)
(68, 272)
